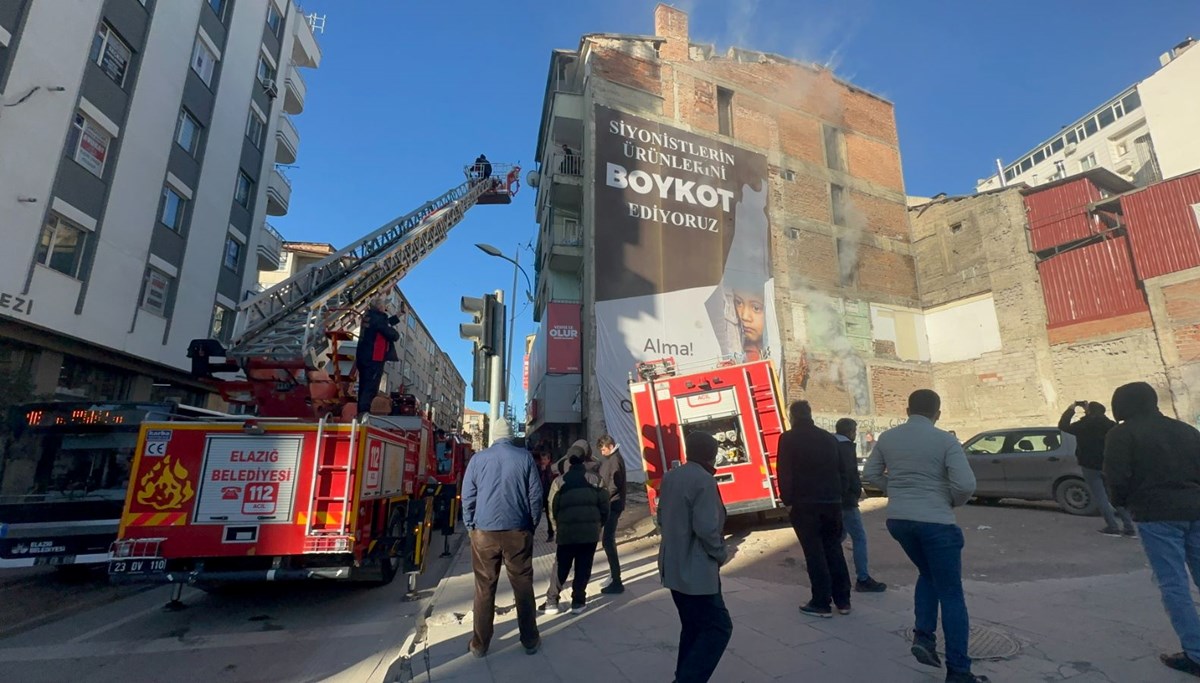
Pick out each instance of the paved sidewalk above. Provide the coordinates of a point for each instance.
(1105, 628)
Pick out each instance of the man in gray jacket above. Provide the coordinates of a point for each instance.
(925, 474)
(502, 505)
(690, 554)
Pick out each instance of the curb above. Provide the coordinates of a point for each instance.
(400, 671)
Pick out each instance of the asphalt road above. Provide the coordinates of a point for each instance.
(266, 632)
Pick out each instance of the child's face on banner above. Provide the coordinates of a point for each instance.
(751, 314)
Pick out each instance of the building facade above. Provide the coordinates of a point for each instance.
(1144, 134)
(475, 427)
(424, 369)
(753, 206)
(148, 133)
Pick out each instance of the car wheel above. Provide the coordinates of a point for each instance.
(1074, 496)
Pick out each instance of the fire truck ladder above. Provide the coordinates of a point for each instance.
(289, 321)
(327, 528)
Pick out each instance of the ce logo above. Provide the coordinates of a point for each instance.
(156, 448)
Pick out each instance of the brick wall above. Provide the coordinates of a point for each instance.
(874, 161)
(891, 385)
(887, 273)
(1066, 334)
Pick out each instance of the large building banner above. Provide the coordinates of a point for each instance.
(683, 266)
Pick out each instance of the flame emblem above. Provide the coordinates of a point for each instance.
(165, 486)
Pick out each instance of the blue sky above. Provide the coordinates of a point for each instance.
(408, 92)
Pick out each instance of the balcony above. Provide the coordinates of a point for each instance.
(294, 91)
(270, 248)
(279, 193)
(562, 180)
(288, 141)
(305, 51)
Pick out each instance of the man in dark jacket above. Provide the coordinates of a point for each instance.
(591, 468)
(1152, 464)
(612, 473)
(501, 506)
(847, 434)
(580, 510)
(813, 481)
(376, 346)
(1089, 432)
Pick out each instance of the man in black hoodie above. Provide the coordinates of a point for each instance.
(847, 435)
(1152, 464)
(376, 346)
(813, 481)
(612, 473)
(1089, 432)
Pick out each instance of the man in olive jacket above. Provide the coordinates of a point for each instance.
(692, 520)
(1152, 466)
(580, 509)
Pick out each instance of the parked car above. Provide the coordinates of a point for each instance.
(1034, 463)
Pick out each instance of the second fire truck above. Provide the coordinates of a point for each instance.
(738, 404)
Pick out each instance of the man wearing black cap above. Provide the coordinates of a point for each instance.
(1152, 464)
(691, 520)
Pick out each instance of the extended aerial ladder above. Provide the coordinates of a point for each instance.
(294, 350)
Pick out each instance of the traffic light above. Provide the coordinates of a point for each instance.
(486, 330)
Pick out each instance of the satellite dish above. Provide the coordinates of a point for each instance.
(532, 178)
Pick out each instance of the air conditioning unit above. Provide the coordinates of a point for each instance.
(1070, 149)
(270, 88)
(532, 178)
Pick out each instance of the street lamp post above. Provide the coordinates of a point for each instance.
(512, 316)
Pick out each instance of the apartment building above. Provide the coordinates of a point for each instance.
(139, 141)
(475, 427)
(1143, 134)
(752, 206)
(424, 370)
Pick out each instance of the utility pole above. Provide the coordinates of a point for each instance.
(495, 386)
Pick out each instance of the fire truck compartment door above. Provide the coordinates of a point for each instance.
(393, 468)
(249, 479)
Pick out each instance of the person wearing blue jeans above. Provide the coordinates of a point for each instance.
(925, 475)
(846, 432)
(1152, 467)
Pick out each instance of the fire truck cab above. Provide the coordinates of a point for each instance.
(738, 404)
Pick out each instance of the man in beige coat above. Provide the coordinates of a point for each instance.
(691, 521)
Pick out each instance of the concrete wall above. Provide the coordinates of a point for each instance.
(1170, 99)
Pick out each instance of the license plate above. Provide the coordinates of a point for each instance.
(53, 560)
(143, 566)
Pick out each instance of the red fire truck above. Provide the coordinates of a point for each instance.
(302, 487)
(738, 404)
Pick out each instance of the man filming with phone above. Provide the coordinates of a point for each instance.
(1090, 431)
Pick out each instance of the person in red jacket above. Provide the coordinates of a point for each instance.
(376, 346)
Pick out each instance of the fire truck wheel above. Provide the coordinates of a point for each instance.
(389, 563)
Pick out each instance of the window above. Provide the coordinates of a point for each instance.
(266, 72)
(1010, 174)
(1087, 162)
(955, 228)
(255, 127)
(173, 208)
(222, 324)
(725, 111)
(1026, 164)
(1033, 442)
(1122, 148)
(243, 191)
(847, 253)
(274, 19)
(111, 54)
(833, 148)
(218, 6)
(1089, 126)
(838, 196)
(1106, 117)
(986, 445)
(233, 253)
(204, 61)
(1131, 101)
(1057, 145)
(155, 291)
(187, 132)
(60, 245)
(1039, 156)
(1072, 138)
(87, 144)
